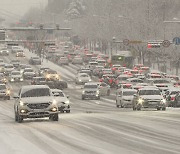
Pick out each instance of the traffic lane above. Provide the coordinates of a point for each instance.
(124, 132)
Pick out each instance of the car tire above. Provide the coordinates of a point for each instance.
(117, 106)
(8, 98)
(19, 118)
(164, 108)
(83, 98)
(108, 93)
(98, 98)
(68, 111)
(134, 108)
(138, 107)
(158, 108)
(54, 117)
(16, 118)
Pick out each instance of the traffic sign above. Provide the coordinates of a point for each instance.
(126, 42)
(166, 43)
(176, 41)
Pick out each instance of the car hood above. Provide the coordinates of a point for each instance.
(35, 100)
(152, 97)
(62, 99)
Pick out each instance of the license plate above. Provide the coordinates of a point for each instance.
(152, 103)
(38, 110)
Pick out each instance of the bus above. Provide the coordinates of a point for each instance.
(124, 58)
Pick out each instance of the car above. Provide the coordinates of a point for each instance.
(135, 81)
(22, 67)
(82, 78)
(15, 76)
(149, 97)
(15, 63)
(124, 97)
(14, 49)
(38, 80)
(170, 96)
(20, 53)
(8, 68)
(3, 78)
(85, 70)
(35, 101)
(28, 73)
(4, 52)
(77, 60)
(97, 69)
(90, 91)
(35, 61)
(104, 89)
(62, 100)
(177, 101)
(163, 84)
(101, 62)
(93, 64)
(4, 92)
(51, 74)
(42, 70)
(63, 61)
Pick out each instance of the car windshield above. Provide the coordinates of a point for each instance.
(90, 86)
(84, 75)
(129, 93)
(15, 61)
(39, 92)
(9, 66)
(161, 81)
(2, 87)
(35, 57)
(149, 92)
(59, 94)
(16, 73)
(52, 72)
(28, 70)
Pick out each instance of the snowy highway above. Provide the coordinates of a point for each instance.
(92, 127)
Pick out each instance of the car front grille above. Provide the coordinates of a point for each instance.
(38, 106)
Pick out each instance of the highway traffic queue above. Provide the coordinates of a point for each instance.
(134, 85)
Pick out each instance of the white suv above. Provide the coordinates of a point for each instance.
(35, 101)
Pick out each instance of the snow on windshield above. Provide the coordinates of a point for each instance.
(36, 93)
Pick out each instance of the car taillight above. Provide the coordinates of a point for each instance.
(172, 98)
(113, 68)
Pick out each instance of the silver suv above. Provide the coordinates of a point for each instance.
(35, 101)
(149, 97)
(91, 90)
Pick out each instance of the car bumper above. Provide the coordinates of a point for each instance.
(90, 96)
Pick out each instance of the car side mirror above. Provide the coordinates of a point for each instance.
(135, 95)
(67, 96)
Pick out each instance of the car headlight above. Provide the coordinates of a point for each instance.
(90, 80)
(83, 92)
(12, 79)
(80, 80)
(21, 79)
(21, 103)
(57, 76)
(97, 92)
(8, 92)
(48, 76)
(140, 101)
(7, 51)
(163, 101)
(67, 102)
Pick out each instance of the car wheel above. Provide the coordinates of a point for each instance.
(158, 108)
(8, 98)
(117, 106)
(68, 111)
(98, 98)
(16, 118)
(108, 93)
(82, 98)
(138, 107)
(134, 108)
(122, 106)
(19, 118)
(54, 117)
(164, 108)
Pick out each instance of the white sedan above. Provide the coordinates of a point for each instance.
(82, 78)
(62, 100)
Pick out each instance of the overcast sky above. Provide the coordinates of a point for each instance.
(15, 9)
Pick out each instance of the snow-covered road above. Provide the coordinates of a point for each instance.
(93, 127)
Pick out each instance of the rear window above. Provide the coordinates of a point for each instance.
(149, 92)
(90, 86)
